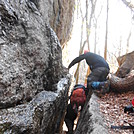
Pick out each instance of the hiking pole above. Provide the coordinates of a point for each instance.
(123, 127)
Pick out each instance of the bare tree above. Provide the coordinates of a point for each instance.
(87, 21)
(128, 39)
(88, 27)
(120, 49)
(76, 75)
(96, 24)
(106, 36)
(129, 4)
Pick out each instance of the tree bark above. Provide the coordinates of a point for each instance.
(122, 84)
(106, 36)
(123, 79)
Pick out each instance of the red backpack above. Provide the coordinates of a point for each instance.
(133, 102)
(78, 95)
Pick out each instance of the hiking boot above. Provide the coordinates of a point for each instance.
(105, 87)
(95, 85)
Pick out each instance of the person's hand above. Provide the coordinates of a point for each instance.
(68, 67)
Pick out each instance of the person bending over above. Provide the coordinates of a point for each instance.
(97, 79)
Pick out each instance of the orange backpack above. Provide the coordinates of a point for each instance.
(78, 95)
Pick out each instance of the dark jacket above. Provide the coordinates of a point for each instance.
(93, 60)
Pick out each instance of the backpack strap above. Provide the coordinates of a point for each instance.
(79, 86)
(76, 87)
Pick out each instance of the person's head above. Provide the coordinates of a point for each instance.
(86, 51)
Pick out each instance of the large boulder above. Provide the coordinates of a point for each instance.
(33, 82)
(59, 13)
(42, 115)
(62, 19)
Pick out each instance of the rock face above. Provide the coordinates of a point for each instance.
(62, 19)
(42, 115)
(33, 82)
(123, 80)
(91, 121)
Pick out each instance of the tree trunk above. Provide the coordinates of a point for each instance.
(123, 79)
(105, 49)
(122, 84)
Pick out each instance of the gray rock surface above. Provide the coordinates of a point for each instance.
(91, 121)
(29, 55)
(33, 82)
(42, 115)
(59, 13)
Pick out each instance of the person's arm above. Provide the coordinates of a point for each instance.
(76, 60)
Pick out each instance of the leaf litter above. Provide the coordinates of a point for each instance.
(112, 108)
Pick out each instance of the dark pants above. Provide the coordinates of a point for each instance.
(70, 116)
(99, 74)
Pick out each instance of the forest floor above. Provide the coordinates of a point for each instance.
(112, 108)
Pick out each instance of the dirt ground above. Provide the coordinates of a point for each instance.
(112, 108)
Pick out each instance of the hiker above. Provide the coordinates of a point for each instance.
(97, 79)
(77, 101)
